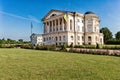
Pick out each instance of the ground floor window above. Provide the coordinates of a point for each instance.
(71, 37)
(89, 38)
(89, 43)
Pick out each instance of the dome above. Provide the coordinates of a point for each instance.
(89, 12)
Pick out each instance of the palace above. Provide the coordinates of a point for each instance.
(66, 27)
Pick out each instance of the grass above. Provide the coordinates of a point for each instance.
(22, 64)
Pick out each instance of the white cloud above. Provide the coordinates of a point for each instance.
(30, 18)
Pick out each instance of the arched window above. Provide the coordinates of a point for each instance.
(89, 38)
(53, 15)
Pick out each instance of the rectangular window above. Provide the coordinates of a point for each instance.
(82, 38)
(78, 28)
(59, 38)
(82, 21)
(63, 38)
(71, 37)
(70, 24)
(49, 38)
(83, 29)
(78, 38)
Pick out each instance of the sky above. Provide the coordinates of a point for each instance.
(16, 15)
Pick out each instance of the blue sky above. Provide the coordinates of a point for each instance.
(16, 15)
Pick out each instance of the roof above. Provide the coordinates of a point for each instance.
(63, 11)
(36, 34)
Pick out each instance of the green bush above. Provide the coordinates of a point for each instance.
(85, 46)
(27, 46)
(51, 47)
(116, 42)
(71, 45)
(111, 47)
(98, 46)
(63, 47)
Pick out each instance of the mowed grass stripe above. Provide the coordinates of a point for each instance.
(23, 64)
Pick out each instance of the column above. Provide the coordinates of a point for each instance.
(63, 24)
(52, 26)
(58, 24)
(55, 25)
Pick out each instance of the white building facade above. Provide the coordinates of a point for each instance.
(78, 30)
(36, 39)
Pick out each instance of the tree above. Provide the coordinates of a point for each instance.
(107, 34)
(20, 41)
(117, 35)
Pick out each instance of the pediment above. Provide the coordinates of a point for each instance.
(53, 13)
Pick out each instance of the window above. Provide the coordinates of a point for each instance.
(50, 26)
(78, 28)
(89, 21)
(56, 38)
(101, 40)
(82, 38)
(83, 29)
(78, 20)
(78, 38)
(60, 44)
(63, 38)
(47, 23)
(95, 29)
(82, 21)
(70, 24)
(89, 43)
(49, 38)
(53, 25)
(60, 21)
(59, 38)
(71, 37)
(60, 27)
(57, 22)
(89, 28)
(89, 38)
(96, 38)
(53, 15)
(44, 40)
(65, 25)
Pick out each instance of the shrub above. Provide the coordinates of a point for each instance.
(117, 42)
(71, 45)
(52, 47)
(98, 46)
(63, 47)
(85, 46)
(27, 46)
(111, 47)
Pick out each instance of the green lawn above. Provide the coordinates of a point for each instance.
(21, 64)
